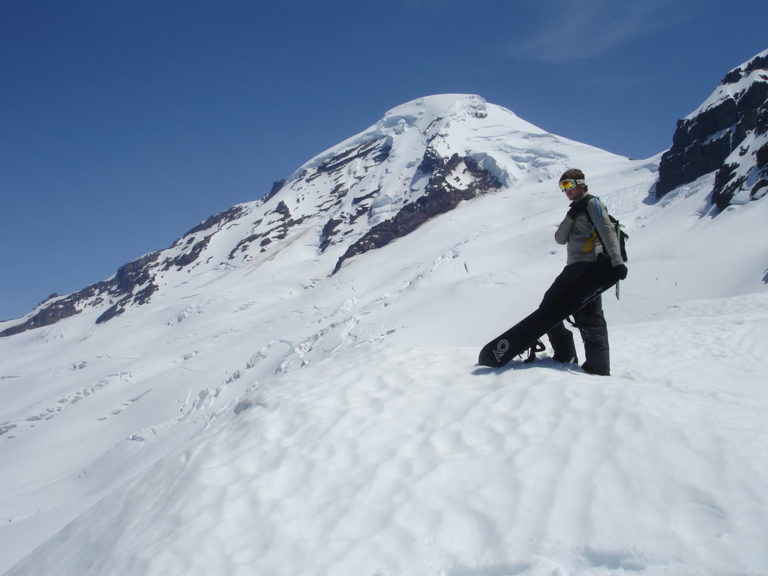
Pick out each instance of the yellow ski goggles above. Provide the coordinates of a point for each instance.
(570, 184)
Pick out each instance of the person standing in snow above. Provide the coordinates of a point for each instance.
(592, 249)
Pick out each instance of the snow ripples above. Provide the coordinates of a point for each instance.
(394, 460)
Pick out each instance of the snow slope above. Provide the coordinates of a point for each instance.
(407, 460)
(268, 418)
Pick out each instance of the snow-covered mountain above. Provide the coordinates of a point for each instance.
(290, 388)
(728, 134)
(421, 160)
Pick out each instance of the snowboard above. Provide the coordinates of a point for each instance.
(523, 335)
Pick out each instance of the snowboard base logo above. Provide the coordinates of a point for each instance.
(502, 347)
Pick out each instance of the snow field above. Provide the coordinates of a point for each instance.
(410, 461)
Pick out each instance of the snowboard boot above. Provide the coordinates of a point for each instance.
(596, 370)
(598, 362)
(563, 345)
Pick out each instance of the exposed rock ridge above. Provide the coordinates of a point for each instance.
(727, 134)
(134, 283)
(453, 179)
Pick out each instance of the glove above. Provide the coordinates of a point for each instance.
(621, 271)
(577, 206)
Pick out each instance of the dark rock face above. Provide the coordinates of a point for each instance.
(50, 314)
(280, 222)
(329, 231)
(378, 150)
(133, 283)
(217, 220)
(441, 195)
(728, 137)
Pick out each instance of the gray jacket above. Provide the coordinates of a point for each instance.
(584, 239)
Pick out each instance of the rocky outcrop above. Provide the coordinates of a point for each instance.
(52, 310)
(280, 222)
(134, 283)
(727, 135)
(377, 150)
(453, 179)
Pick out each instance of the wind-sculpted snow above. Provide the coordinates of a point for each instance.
(408, 461)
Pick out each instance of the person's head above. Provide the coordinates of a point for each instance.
(574, 185)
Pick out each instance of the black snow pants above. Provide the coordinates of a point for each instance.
(573, 283)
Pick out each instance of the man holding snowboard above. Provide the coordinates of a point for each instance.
(593, 251)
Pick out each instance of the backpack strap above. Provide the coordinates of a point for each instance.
(600, 214)
(596, 231)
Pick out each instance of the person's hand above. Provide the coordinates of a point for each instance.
(577, 206)
(621, 271)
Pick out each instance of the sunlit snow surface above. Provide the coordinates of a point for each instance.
(268, 418)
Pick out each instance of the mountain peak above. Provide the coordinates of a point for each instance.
(736, 83)
(727, 134)
(421, 160)
(421, 112)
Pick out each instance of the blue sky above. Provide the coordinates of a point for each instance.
(125, 123)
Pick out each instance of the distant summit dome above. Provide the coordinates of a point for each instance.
(437, 105)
